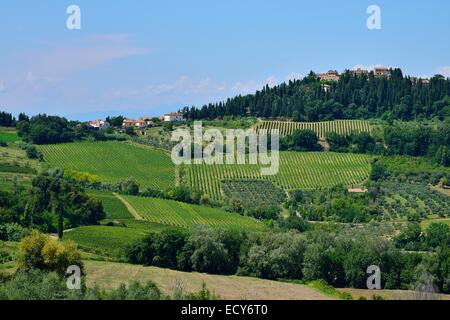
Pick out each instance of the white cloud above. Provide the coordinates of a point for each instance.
(445, 71)
(59, 60)
(369, 67)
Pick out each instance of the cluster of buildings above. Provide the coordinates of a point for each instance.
(379, 72)
(141, 123)
(333, 75)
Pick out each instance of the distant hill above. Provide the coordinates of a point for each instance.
(353, 96)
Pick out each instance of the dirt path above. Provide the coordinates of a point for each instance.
(129, 207)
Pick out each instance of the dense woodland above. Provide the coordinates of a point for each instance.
(352, 97)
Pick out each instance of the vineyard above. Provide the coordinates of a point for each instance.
(320, 128)
(298, 170)
(253, 193)
(178, 214)
(114, 161)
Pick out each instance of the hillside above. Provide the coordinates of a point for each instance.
(114, 161)
(298, 170)
(351, 97)
(183, 215)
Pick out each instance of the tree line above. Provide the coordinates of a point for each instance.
(352, 97)
(52, 204)
(339, 256)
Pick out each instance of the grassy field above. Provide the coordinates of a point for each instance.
(109, 241)
(8, 135)
(109, 275)
(114, 161)
(406, 164)
(426, 223)
(178, 214)
(14, 164)
(114, 208)
(8, 256)
(320, 128)
(298, 170)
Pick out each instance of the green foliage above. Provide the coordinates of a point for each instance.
(6, 119)
(202, 249)
(252, 193)
(410, 238)
(135, 291)
(354, 142)
(33, 153)
(43, 129)
(378, 171)
(415, 169)
(438, 235)
(301, 140)
(416, 201)
(115, 121)
(418, 139)
(329, 290)
(41, 285)
(352, 97)
(38, 251)
(12, 232)
(203, 295)
(130, 187)
(35, 285)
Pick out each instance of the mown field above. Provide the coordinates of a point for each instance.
(320, 128)
(298, 170)
(107, 275)
(114, 161)
(179, 214)
(8, 135)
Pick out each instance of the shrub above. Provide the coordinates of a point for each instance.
(11, 232)
(38, 251)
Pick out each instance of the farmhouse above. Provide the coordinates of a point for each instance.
(141, 124)
(98, 124)
(360, 72)
(331, 75)
(382, 72)
(173, 117)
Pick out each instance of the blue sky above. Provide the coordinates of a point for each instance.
(149, 57)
